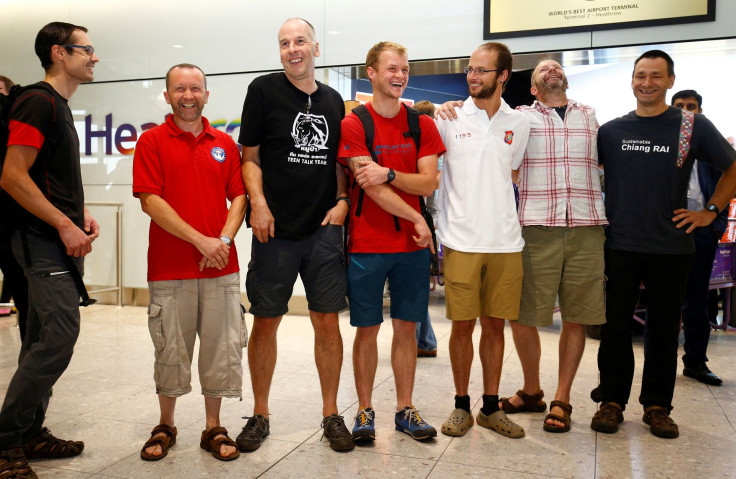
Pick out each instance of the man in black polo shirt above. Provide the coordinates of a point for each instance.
(648, 155)
(43, 175)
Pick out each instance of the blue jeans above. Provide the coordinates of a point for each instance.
(426, 340)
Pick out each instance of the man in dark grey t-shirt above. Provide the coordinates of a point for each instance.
(648, 155)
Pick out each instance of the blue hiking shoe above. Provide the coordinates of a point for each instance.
(408, 420)
(364, 428)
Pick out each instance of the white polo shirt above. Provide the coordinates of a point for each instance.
(476, 204)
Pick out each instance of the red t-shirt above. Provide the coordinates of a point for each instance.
(374, 230)
(194, 176)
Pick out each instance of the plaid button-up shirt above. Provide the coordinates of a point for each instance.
(559, 183)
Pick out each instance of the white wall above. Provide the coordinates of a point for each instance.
(138, 40)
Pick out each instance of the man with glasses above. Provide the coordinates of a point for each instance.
(479, 230)
(297, 203)
(53, 233)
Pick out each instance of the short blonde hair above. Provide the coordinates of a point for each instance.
(375, 52)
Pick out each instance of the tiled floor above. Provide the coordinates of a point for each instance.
(107, 399)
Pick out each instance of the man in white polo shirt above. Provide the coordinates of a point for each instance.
(479, 228)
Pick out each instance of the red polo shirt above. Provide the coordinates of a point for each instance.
(194, 176)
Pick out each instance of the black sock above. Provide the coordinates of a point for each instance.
(462, 402)
(490, 404)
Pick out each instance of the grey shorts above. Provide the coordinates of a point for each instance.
(567, 262)
(181, 310)
(274, 266)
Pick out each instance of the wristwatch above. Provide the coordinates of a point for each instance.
(391, 176)
(346, 199)
(226, 239)
(713, 209)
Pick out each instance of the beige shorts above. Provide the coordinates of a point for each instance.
(567, 262)
(482, 284)
(181, 310)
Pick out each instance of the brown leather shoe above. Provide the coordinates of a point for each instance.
(425, 353)
(660, 423)
(607, 418)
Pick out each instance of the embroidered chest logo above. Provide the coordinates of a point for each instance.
(310, 132)
(218, 154)
(508, 137)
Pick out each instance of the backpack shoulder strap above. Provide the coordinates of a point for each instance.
(361, 111)
(686, 133)
(415, 131)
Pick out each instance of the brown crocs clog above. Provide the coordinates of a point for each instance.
(500, 423)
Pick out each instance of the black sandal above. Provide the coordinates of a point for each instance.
(16, 466)
(51, 447)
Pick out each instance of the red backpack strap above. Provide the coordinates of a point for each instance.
(686, 133)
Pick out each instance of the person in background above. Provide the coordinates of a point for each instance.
(5, 85)
(426, 340)
(15, 285)
(695, 319)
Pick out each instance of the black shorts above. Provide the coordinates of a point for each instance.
(274, 266)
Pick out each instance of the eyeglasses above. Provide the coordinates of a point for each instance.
(88, 49)
(479, 71)
(308, 106)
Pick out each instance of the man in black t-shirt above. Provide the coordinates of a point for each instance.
(42, 173)
(297, 203)
(648, 155)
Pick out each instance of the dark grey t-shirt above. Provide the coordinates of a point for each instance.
(644, 185)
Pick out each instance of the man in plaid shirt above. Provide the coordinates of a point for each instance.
(562, 217)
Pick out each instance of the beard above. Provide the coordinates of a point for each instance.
(485, 92)
(560, 85)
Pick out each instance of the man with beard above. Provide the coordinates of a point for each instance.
(297, 203)
(479, 229)
(648, 155)
(182, 169)
(388, 235)
(562, 217)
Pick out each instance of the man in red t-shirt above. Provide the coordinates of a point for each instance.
(388, 237)
(183, 172)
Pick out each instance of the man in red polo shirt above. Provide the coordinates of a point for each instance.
(183, 173)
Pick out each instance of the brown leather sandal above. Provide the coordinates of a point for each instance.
(531, 403)
(16, 466)
(212, 444)
(47, 446)
(564, 419)
(165, 442)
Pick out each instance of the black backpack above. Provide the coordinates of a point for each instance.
(9, 207)
(415, 132)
